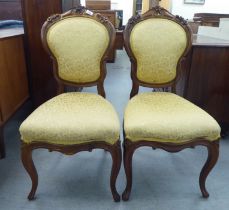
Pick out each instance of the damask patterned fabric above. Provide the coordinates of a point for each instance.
(157, 45)
(72, 118)
(166, 117)
(78, 44)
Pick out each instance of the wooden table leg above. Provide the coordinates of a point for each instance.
(2, 144)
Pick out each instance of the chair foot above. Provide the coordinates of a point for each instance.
(116, 154)
(116, 197)
(125, 195)
(26, 157)
(213, 154)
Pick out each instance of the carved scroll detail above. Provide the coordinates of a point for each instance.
(181, 19)
(101, 18)
(53, 18)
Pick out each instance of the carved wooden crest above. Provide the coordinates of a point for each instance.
(156, 12)
(182, 20)
(53, 18)
(77, 11)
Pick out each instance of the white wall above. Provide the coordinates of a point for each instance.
(82, 2)
(211, 6)
(126, 6)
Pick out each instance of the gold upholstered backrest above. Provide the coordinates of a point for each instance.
(156, 42)
(78, 42)
(157, 45)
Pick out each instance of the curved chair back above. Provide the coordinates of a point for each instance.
(78, 41)
(156, 43)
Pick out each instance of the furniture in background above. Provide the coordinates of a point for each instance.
(205, 80)
(98, 4)
(68, 4)
(10, 9)
(163, 119)
(42, 83)
(119, 42)
(209, 19)
(206, 75)
(78, 43)
(13, 76)
(194, 26)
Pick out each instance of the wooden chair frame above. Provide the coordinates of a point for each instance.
(129, 146)
(115, 149)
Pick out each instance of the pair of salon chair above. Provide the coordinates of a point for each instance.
(157, 43)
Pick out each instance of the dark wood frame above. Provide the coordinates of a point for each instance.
(130, 146)
(115, 149)
(4, 118)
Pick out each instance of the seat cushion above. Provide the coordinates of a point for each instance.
(166, 117)
(72, 118)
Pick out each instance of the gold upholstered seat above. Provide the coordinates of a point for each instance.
(72, 118)
(167, 117)
(78, 42)
(158, 43)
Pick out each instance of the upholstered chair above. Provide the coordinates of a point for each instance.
(78, 42)
(157, 43)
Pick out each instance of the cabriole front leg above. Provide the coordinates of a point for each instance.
(128, 155)
(116, 154)
(26, 157)
(213, 154)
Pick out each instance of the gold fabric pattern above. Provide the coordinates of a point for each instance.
(78, 44)
(72, 118)
(166, 117)
(157, 44)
